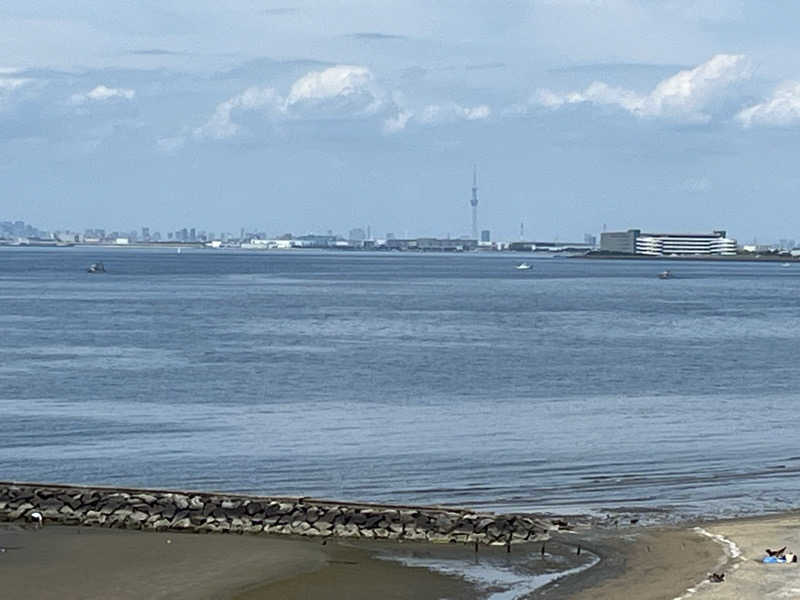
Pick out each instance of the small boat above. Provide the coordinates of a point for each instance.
(96, 268)
(179, 249)
(523, 267)
(786, 264)
(665, 275)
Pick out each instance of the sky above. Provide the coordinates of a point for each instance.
(308, 116)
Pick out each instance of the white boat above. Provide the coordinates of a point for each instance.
(179, 250)
(96, 268)
(523, 267)
(665, 275)
(786, 264)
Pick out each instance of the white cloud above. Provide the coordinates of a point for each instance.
(170, 145)
(344, 89)
(221, 124)
(340, 92)
(445, 113)
(782, 108)
(8, 85)
(686, 95)
(102, 93)
(397, 122)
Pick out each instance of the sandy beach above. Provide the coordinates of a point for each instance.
(645, 563)
(746, 577)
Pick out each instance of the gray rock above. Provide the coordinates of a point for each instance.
(253, 508)
(357, 518)
(396, 527)
(312, 514)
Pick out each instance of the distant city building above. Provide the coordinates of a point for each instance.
(315, 241)
(486, 235)
(634, 241)
(357, 235)
(432, 245)
(389, 236)
(590, 239)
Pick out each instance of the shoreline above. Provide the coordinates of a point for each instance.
(596, 255)
(130, 543)
(643, 562)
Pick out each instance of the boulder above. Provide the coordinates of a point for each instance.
(182, 523)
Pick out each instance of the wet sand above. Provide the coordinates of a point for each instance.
(68, 563)
(645, 563)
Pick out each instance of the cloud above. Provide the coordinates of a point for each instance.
(683, 96)
(781, 109)
(447, 113)
(102, 93)
(9, 85)
(341, 92)
(397, 122)
(221, 124)
(170, 145)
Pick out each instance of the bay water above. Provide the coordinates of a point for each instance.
(577, 386)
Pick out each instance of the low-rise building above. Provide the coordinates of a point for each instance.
(634, 241)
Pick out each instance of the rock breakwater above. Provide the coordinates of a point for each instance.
(232, 513)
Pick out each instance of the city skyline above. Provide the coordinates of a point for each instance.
(627, 113)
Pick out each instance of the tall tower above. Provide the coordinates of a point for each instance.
(474, 202)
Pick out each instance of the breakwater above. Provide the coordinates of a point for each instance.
(200, 512)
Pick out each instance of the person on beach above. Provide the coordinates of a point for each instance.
(779, 556)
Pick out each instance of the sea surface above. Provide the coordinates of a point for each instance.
(577, 386)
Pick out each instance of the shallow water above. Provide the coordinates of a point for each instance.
(576, 386)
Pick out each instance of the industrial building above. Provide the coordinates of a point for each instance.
(634, 241)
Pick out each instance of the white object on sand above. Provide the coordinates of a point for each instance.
(37, 516)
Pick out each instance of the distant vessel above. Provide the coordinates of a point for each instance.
(786, 264)
(179, 250)
(523, 267)
(665, 275)
(96, 268)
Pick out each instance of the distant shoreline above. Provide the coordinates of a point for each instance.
(691, 258)
(593, 255)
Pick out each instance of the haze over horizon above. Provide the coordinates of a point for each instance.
(307, 116)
